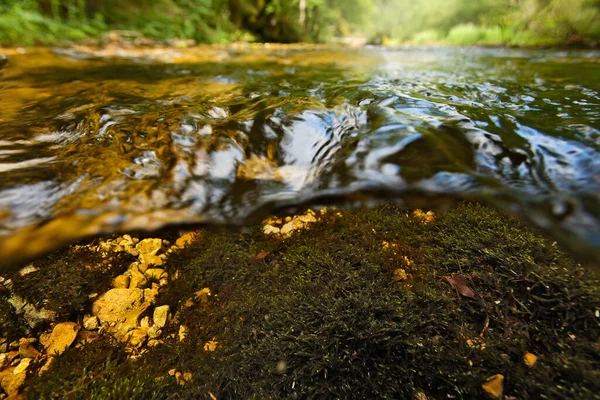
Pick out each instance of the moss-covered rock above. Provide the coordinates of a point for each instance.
(320, 315)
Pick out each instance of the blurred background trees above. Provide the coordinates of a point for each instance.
(460, 22)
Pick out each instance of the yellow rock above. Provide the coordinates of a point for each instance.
(400, 275)
(155, 274)
(135, 338)
(121, 281)
(149, 246)
(22, 367)
(150, 259)
(11, 382)
(494, 386)
(211, 345)
(183, 331)
(202, 295)
(185, 240)
(270, 230)
(425, 217)
(529, 359)
(63, 335)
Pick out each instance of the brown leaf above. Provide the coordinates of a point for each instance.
(261, 255)
(459, 282)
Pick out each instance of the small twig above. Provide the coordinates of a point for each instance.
(459, 267)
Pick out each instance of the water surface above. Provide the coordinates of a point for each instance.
(101, 141)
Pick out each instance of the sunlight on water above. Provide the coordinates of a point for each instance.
(98, 141)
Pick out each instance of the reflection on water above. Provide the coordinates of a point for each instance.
(99, 141)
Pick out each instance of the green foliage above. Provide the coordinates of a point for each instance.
(462, 22)
(469, 34)
(28, 27)
(466, 22)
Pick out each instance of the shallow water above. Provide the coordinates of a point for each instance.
(100, 141)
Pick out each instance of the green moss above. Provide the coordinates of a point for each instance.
(321, 317)
(65, 280)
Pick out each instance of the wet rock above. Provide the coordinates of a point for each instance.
(135, 338)
(46, 366)
(297, 224)
(3, 360)
(529, 359)
(154, 332)
(149, 246)
(145, 323)
(308, 218)
(400, 275)
(287, 228)
(202, 295)
(161, 316)
(183, 377)
(27, 349)
(151, 294)
(11, 356)
(3, 345)
(494, 386)
(11, 382)
(183, 332)
(155, 274)
(185, 240)
(32, 315)
(211, 345)
(140, 267)
(138, 280)
(154, 342)
(133, 252)
(84, 337)
(121, 281)
(270, 230)
(114, 306)
(22, 367)
(91, 323)
(27, 270)
(63, 335)
(150, 259)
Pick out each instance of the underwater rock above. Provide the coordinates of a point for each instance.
(494, 386)
(154, 332)
(63, 335)
(270, 230)
(121, 281)
(30, 313)
(287, 228)
(155, 274)
(149, 246)
(150, 259)
(135, 338)
(12, 382)
(529, 359)
(22, 367)
(138, 280)
(183, 332)
(115, 305)
(185, 240)
(161, 316)
(400, 275)
(91, 323)
(26, 348)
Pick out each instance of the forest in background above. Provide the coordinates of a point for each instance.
(455, 22)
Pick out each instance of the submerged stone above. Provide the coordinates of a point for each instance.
(63, 335)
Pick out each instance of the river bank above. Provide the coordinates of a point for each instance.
(373, 303)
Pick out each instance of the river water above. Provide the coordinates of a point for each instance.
(113, 140)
